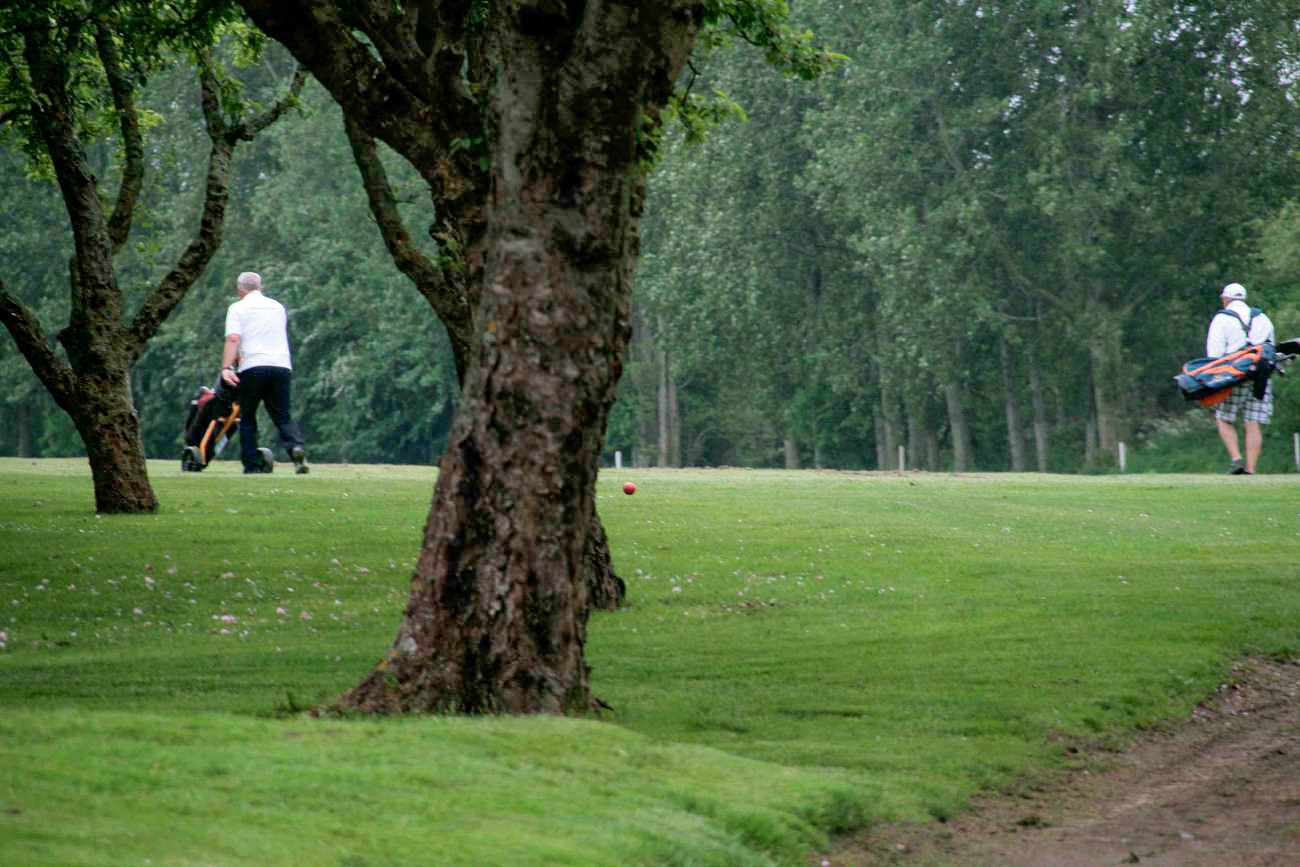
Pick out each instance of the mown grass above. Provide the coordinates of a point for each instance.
(802, 653)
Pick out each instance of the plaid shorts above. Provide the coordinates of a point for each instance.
(1242, 398)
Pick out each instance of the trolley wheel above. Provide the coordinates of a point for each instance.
(191, 462)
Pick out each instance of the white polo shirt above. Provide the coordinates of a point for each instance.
(1227, 334)
(262, 326)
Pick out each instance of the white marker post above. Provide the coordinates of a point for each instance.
(902, 458)
(618, 460)
(1295, 438)
(1123, 457)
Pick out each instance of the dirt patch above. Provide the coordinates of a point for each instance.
(1221, 788)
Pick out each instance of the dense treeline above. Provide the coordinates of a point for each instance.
(989, 237)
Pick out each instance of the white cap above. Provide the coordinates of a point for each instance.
(1235, 291)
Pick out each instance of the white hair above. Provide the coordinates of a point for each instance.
(249, 280)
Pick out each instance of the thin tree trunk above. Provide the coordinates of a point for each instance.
(1091, 454)
(1105, 348)
(23, 434)
(890, 413)
(892, 437)
(674, 422)
(932, 449)
(916, 434)
(882, 443)
(1040, 415)
(1015, 434)
(961, 441)
(647, 426)
(791, 449)
(664, 428)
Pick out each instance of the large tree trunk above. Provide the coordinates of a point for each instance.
(496, 620)
(110, 428)
(454, 293)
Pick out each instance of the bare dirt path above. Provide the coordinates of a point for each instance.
(1222, 788)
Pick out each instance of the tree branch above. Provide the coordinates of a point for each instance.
(122, 88)
(56, 123)
(189, 267)
(1009, 262)
(388, 107)
(247, 130)
(31, 340)
(448, 301)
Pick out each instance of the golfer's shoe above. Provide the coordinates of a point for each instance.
(299, 455)
(265, 463)
(1238, 468)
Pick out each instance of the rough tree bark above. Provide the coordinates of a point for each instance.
(93, 384)
(496, 620)
(452, 291)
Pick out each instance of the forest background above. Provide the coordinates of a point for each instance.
(990, 236)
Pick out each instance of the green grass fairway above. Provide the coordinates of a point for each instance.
(802, 653)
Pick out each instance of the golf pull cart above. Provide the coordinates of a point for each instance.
(212, 418)
(1209, 380)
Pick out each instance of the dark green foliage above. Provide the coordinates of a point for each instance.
(1073, 182)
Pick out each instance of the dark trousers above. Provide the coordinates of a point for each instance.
(269, 384)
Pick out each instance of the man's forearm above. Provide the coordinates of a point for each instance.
(229, 353)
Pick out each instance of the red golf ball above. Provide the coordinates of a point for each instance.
(629, 488)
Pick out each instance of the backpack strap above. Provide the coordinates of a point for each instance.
(1245, 325)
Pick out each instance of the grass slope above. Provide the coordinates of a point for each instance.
(802, 653)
